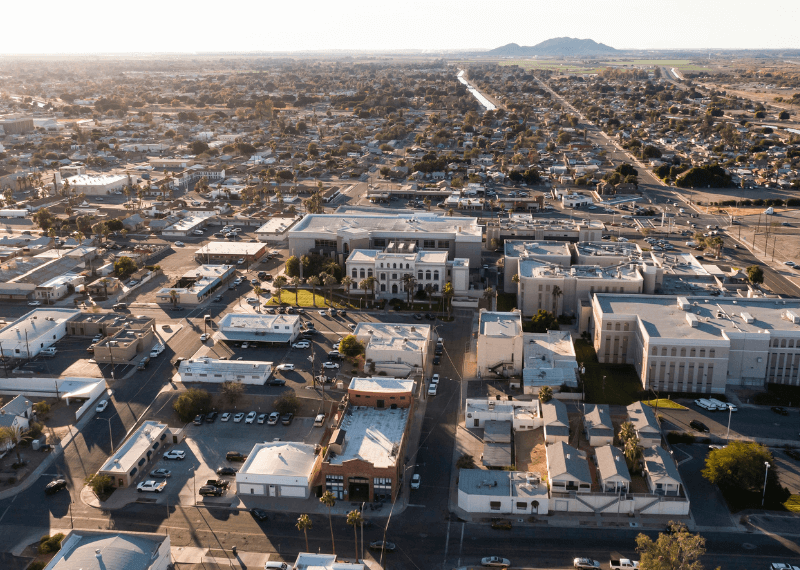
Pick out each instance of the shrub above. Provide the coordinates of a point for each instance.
(192, 402)
(41, 408)
(100, 484)
(680, 437)
(350, 346)
(287, 403)
(48, 544)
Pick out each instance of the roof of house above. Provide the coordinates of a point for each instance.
(643, 418)
(379, 384)
(280, 458)
(101, 550)
(556, 420)
(134, 447)
(597, 419)
(611, 463)
(497, 431)
(372, 435)
(393, 336)
(500, 324)
(496, 454)
(659, 464)
(17, 407)
(565, 460)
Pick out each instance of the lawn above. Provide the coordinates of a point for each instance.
(621, 386)
(665, 403)
(793, 504)
(304, 299)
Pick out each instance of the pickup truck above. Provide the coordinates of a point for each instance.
(617, 561)
(221, 483)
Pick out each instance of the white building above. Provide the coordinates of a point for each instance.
(98, 185)
(645, 423)
(205, 369)
(548, 360)
(275, 229)
(106, 550)
(309, 561)
(275, 329)
(143, 444)
(500, 344)
(396, 349)
(38, 329)
(575, 200)
(502, 492)
(550, 252)
(58, 287)
(278, 469)
(606, 254)
(186, 225)
(525, 226)
(523, 415)
(197, 285)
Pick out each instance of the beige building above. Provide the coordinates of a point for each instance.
(700, 344)
(500, 343)
(605, 254)
(550, 252)
(395, 349)
(525, 226)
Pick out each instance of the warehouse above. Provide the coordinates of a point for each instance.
(137, 451)
(278, 469)
(230, 252)
(209, 370)
(98, 185)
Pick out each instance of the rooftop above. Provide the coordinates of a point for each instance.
(500, 483)
(95, 179)
(356, 223)
(549, 359)
(201, 365)
(611, 463)
(394, 337)
(611, 249)
(563, 459)
(379, 384)
(286, 459)
(214, 271)
(538, 270)
(230, 248)
(536, 249)
(307, 561)
(372, 435)
(597, 419)
(643, 418)
(518, 409)
(134, 447)
(35, 324)
(102, 550)
(498, 324)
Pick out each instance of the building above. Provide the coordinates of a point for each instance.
(700, 344)
(549, 252)
(169, 163)
(273, 329)
(34, 331)
(134, 337)
(575, 200)
(196, 285)
(645, 423)
(548, 360)
(606, 254)
(133, 456)
(523, 415)
(337, 235)
(278, 469)
(555, 421)
(502, 492)
(308, 561)
(205, 369)
(380, 392)
(525, 226)
(394, 349)
(107, 550)
(98, 185)
(58, 287)
(399, 262)
(187, 224)
(661, 472)
(16, 125)
(597, 424)
(275, 229)
(500, 344)
(17, 414)
(612, 471)
(229, 253)
(568, 471)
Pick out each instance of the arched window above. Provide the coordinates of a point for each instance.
(355, 273)
(436, 275)
(435, 286)
(381, 265)
(383, 287)
(419, 275)
(394, 266)
(394, 288)
(428, 275)
(362, 273)
(369, 272)
(407, 266)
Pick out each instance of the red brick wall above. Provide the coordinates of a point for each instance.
(370, 399)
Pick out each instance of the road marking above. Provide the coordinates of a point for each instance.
(446, 540)
(421, 506)
(15, 498)
(461, 544)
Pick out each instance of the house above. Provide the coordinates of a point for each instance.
(661, 472)
(206, 369)
(102, 549)
(380, 392)
(555, 421)
(134, 222)
(645, 423)
(568, 470)
(17, 413)
(612, 471)
(524, 415)
(548, 360)
(278, 469)
(502, 492)
(597, 424)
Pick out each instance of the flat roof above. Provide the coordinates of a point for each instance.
(546, 248)
(35, 324)
(309, 561)
(499, 324)
(277, 225)
(501, 483)
(432, 223)
(187, 223)
(95, 179)
(372, 435)
(610, 249)
(387, 385)
(230, 248)
(280, 458)
(134, 447)
(518, 409)
(217, 271)
(393, 336)
(200, 365)
(538, 269)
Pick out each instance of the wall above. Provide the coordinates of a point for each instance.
(508, 505)
(492, 350)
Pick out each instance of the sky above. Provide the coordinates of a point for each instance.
(144, 26)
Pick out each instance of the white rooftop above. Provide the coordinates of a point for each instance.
(390, 336)
(277, 225)
(116, 550)
(200, 365)
(213, 271)
(499, 324)
(380, 384)
(95, 179)
(308, 561)
(134, 447)
(545, 248)
(372, 435)
(283, 458)
(230, 248)
(354, 224)
(35, 324)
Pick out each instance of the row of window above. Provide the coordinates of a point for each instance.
(421, 275)
(692, 352)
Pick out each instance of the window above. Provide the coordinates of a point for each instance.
(494, 505)
(383, 287)
(436, 275)
(355, 273)
(318, 243)
(155, 445)
(394, 266)
(141, 462)
(419, 278)
(521, 505)
(363, 273)
(394, 275)
(133, 472)
(379, 242)
(381, 265)
(369, 272)
(428, 275)
(382, 486)
(444, 244)
(711, 353)
(383, 277)
(407, 266)
(429, 244)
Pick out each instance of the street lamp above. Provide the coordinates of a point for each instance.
(730, 411)
(110, 437)
(764, 494)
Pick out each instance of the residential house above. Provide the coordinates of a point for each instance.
(612, 471)
(555, 421)
(568, 470)
(645, 423)
(597, 424)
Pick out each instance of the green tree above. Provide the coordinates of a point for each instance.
(100, 484)
(545, 394)
(304, 523)
(124, 267)
(544, 321)
(429, 293)
(626, 432)
(114, 225)
(633, 453)
(447, 294)
(44, 219)
(355, 520)
(287, 403)
(347, 283)
(677, 549)
(314, 282)
(16, 435)
(192, 402)
(293, 266)
(232, 391)
(755, 274)
(466, 461)
(350, 346)
(740, 467)
(279, 283)
(329, 281)
(295, 282)
(329, 501)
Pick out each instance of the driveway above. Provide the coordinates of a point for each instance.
(708, 506)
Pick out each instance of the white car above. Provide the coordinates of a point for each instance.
(251, 417)
(284, 367)
(274, 417)
(34, 303)
(252, 301)
(151, 486)
(179, 243)
(238, 417)
(495, 561)
(331, 365)
(101, 406)
(175, 454)
(587, 563)
(415, 481)
(197, 232)
(301, 344)
(241, 261)
(203, 337)
(435, 379)
(323, 313)
(432, 389)
(225, 417)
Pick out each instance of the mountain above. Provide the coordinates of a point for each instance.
(555, 47)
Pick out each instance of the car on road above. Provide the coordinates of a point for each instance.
(430, 317)
(277, 382)
(238, 417)
(218, 299)
(34, 303)
(54, 487)
(262, 418)
(226, 471)
(235, 456)
(198, 419)
(323, 313)
(175, 454)
(437, 360)
(225, 417)
(179, 243)
(415, 481)
(241, 261)
(101, 406)
(714, 446)
(273, 419)
(417, 317)
(204, 337)
(259, 515)
(384, 545)
(780, 411)
(161, 473)
(587, 563)
(697, 425)
(789, 263)
(435, 379)
(330, 365)
(301, 344)
(286, 419)
(197, 232)
(432, 389)
(151, 486)
(250, 418)
(495, 561)
(211, 491)
(782, 566)
(285, 366)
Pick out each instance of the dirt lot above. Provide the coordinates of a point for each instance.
(530, 452)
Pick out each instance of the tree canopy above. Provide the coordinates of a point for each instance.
(676, 549)
(192, 402)
(739, 466)
(755, 274)
(350, 346)
(544, 321)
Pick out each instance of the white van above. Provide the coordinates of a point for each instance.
(705, 404)
(49, 351)
(319, 420)
(720, 405)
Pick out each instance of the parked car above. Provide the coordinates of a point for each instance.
(235, 456)
(54, 487)
(587, 563)
(198, 419)
(211, 491)
(262, 418)
(151, 486)
(251, 417)
(226, 471)
(286, 419)
(495, 561)
(225, 417)
(101, 406)
(273, 418)
(330, 365)
(277, 382)
(699, 426)
(238, 417)
(415, 481)
(383, 545)
(175, 454)
(211, 417)
(301, 344)
(161, 473)
(285, 366)
(432, 389)
(780, 411)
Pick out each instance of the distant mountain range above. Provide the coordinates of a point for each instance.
(571, 47)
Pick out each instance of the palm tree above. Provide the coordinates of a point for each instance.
(104, 283)
(355, 520)
(304, 523)
(295, 283)
(258, 290)
(488, 292)
(515, 278)
(626, 432)
(173, 296)
(364, 284)
(447, 293)
(279, 283)
(429, 291)
(633, 454)
(347, 283)
(329, 281)
(371, 284)
(15, 435)
(314, 282)
(408, 284)
(557, 292)
(329, 501)
(466, 461)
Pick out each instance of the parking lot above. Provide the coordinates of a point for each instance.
(759, 422)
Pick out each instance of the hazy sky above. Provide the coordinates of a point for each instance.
(50, 26)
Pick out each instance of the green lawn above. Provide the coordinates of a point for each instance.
(621, 386)
(793, 504)
(304, 299)
(664, 403)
